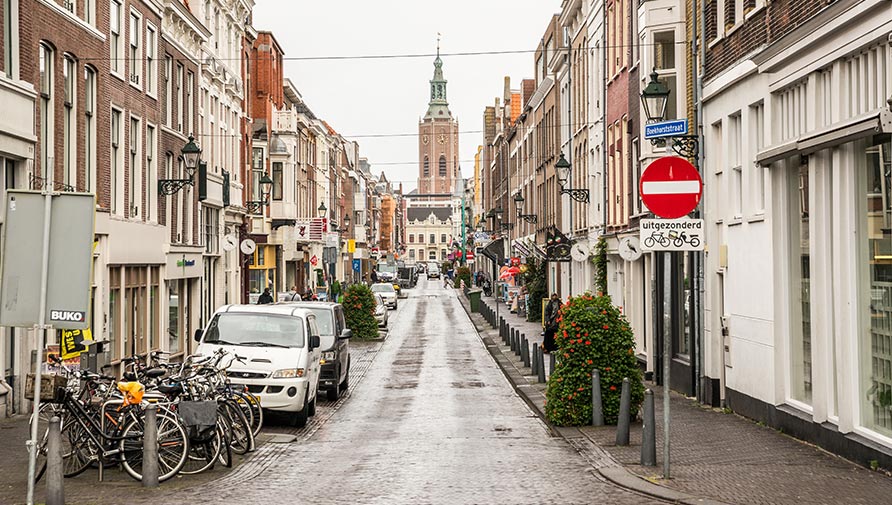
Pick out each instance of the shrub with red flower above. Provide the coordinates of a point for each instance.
(359, 311)
(609, 339)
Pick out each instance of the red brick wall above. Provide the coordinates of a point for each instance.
(776, 19)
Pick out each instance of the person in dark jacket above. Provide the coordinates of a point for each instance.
(551, 324)
(265, 298)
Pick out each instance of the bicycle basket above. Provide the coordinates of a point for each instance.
(199, 418)
(52, 388)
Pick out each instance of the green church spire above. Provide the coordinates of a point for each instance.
(438, 107)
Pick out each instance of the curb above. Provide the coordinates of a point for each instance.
(619, 474)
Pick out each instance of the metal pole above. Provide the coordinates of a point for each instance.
(41, 338)
(625, 404)
(541, 366)
(648, 432)
(534, 362)
(597, 404)
(150, 448)
(667, 358)
(55, 492)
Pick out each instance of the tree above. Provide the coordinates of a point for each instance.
(359, 311)
(592, 333)
(600, 261)
(462, 274)
(535, 281)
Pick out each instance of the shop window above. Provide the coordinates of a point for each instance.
(800, 267)
(173, 316)
(875, 159)
(277, 180)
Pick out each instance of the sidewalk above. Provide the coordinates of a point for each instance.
(716, 456)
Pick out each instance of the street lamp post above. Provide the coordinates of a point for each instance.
(256, 206)
(518, 204)
(562, 167)
(191, 155)
(655, 99)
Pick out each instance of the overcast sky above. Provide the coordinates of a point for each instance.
(360, 97)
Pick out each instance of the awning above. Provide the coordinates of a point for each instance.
(874, 122)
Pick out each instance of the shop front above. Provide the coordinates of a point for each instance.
(182, 288)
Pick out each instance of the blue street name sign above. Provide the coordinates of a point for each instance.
(666, 129)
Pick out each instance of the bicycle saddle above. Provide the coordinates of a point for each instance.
(154, 373)
(170, 389)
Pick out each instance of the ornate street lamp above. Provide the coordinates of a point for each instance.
(191, 155)
(518, 204)
(255, 206)
(322, 209)
(655, 98)
(562, 168)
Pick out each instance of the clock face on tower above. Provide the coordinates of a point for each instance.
(441, 139)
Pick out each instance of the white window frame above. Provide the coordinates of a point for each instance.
(69, 120)
(178, 86)
(151, 50)
(134, 146)
(46, 90)
(116, 160)
(735, 162)
(757, 143)
(10, 39)
(90, 12)
(116, 39)
(90, 118)
(151, 164)
(168, 86)
(134, 48)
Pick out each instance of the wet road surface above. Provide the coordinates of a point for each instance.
(433, 420)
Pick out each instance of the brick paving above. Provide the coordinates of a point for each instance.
(714, 455)
(84, 488)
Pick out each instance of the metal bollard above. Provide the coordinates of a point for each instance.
(534, 362)
(150, 448)
(649, 432)
(519, 350)
(55, 492)
(625, 404)
(597, 404)
(541, 366)
(513, 343)
(526, 351)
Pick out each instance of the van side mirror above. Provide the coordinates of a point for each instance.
(347, 333)
(198, 334)
(314, 342)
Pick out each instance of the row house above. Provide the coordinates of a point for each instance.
(797, 130)
(18, 150)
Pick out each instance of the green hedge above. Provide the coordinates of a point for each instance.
(359, 311)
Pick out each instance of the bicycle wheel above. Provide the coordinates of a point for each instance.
(225, 457)
(251, 404)
(203, 454)
(173, 445)
(242, 439)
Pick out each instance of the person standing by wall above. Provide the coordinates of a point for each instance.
(551, 324)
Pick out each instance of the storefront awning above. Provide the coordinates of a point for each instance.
(872, 123)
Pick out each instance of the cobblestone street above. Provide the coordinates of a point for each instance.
(430, 418)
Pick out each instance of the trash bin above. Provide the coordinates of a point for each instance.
(474, 298)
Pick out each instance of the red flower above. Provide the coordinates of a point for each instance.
(603, 312)
(613, 388)
(589, 362)
(566, 355)
(606, 327)
(585, 334)
(588, 342)
(565, 333)
(580, 389)
(607, 369)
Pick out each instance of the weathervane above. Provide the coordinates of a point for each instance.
(438, 43)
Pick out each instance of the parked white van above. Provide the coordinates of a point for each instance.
(280, 347)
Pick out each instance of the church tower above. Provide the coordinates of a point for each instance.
(438, 168)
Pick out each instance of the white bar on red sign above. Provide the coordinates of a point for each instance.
(670, 187)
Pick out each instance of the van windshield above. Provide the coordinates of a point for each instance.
(256, 330)
(326, 328)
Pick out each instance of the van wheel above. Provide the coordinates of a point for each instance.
(344, 385)
(311, 408)
(299, 418)
(334, 393)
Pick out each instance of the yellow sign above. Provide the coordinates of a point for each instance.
(74, 342)
(351, 246)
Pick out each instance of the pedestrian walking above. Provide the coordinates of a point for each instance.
(374, 276)
(551, 323)
(265, 298)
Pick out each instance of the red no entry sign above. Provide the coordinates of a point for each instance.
(671, 187)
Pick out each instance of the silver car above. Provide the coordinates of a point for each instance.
(387, 292)
(381, 312)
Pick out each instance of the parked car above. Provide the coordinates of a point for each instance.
(381, 311)
(280, 345)
(385, 289)
(433, 270)
(334, 376)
